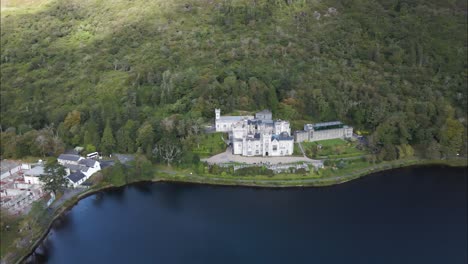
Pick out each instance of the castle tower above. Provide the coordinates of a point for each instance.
(217, 113)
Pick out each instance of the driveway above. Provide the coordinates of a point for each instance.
(227, 157)
(67, 194)
(106, 163)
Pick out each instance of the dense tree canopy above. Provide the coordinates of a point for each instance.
(141, 70)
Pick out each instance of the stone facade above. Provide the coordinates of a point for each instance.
(323, 131)
(301, 136)
(264, 115)
(225, 123)
(260, 136)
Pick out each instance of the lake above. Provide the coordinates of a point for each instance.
(409, 215)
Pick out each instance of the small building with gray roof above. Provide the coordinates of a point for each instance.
(69, 159)
(77, 178)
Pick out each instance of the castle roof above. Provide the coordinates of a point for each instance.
(264, 111)
(284, 136)
(323, 126)
(233, 118)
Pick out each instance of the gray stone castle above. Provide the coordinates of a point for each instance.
(256, 136)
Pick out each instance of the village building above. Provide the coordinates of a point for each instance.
(80, 171)
(69, 159)
(256, 136)
(77, 178)
(16, 193)
(323, 131)
(33, 175)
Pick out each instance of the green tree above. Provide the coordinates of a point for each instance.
(405, 151)
(116, 175)
(286, 112)
(91, 134)
(44, 141)
(90, 148)
(54, 179)
(26, 144)
(8, 142)
(452, 136)
(432, 151)
(126, 137)
(142, 168)
(73, 119)
(107, 141)
(145, 135)
(388, 152)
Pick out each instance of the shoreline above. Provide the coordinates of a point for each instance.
(68, 205)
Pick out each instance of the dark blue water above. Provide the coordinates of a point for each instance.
(411, 215)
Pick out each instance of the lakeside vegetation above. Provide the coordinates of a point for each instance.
(334, 172)
(18, 232)
(145, 76)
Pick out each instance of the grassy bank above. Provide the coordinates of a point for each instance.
(326, 177)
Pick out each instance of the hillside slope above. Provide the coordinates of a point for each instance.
(396, 68)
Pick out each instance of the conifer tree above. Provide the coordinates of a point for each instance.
(107, 141)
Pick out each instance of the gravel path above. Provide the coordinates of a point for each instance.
(302, 149)
(227, 157)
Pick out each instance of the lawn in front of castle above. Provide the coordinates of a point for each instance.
(332, 148)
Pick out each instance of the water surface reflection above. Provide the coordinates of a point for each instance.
(412, 215)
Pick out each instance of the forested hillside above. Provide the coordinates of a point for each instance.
(122, 76)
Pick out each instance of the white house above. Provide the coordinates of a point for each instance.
(69, 159)
(81, 169)
(90, 163)
(33, 175)
(76, 178)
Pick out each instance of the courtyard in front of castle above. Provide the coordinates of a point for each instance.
(228, 157)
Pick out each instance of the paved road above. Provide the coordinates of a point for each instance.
(227, 157)
(69, 193)
(106, 163)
